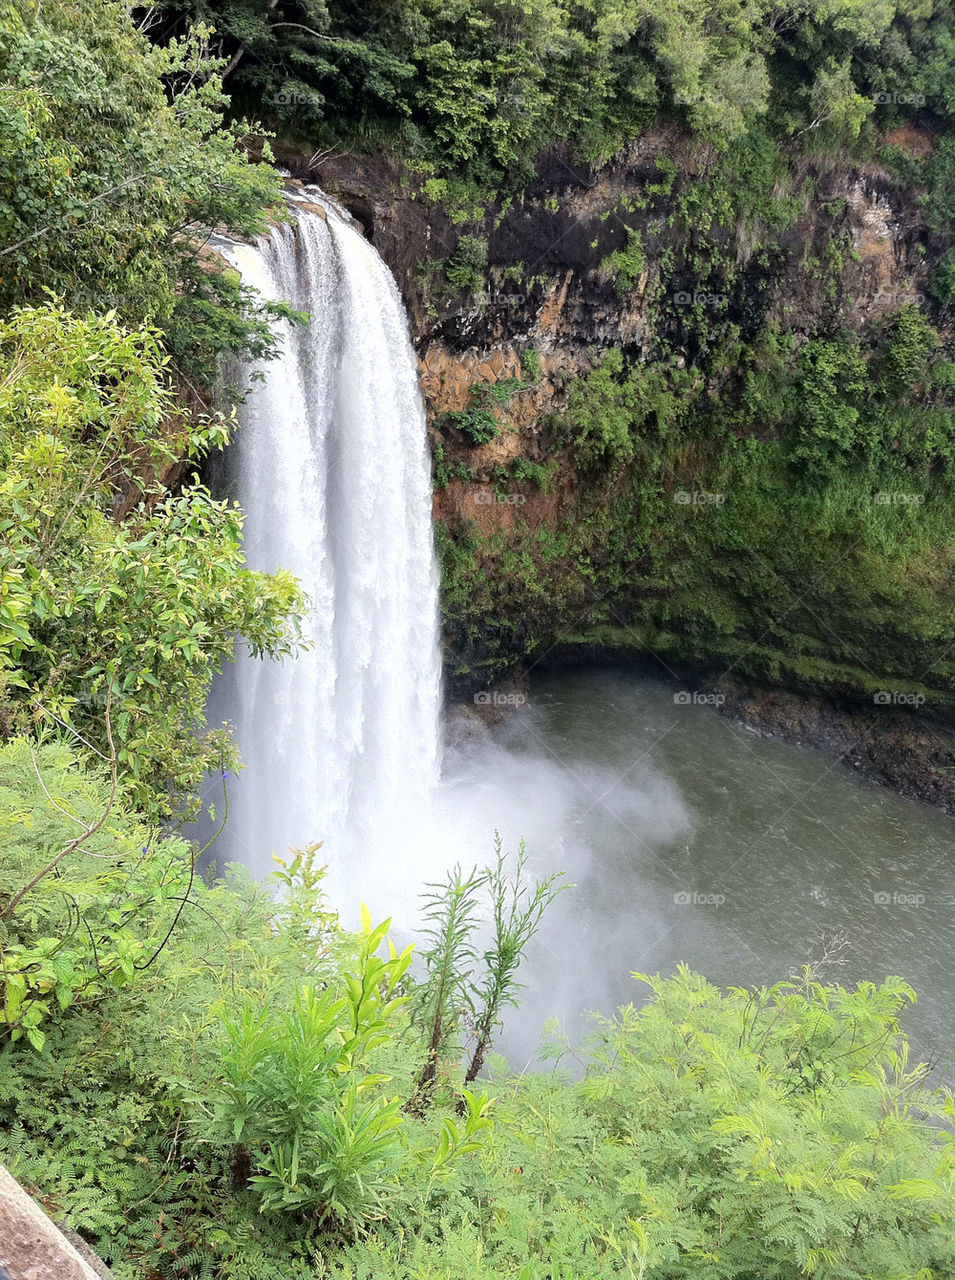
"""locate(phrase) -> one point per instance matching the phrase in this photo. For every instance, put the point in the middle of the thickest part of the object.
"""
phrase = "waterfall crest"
(331, 469)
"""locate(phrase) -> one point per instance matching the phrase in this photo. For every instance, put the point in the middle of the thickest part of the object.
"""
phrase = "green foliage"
(940, 202)
(912, 344)
(602, 408)
(232, 1108)
(497, 392)
(478, 421)
(87, 901)
(444, 471)
(842, 413)
(626, 264)
(479, 425)
(471, 93)
(115, 162)
(466, 267)
(834, 384)
(299, 1115)
(443, 1000)
(516, 911)
(616, 402)
(136, 616)
(751, 1133)
(804, 1110)
(538, 473)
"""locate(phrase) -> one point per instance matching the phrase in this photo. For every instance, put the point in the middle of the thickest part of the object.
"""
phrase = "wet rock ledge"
(894, 746)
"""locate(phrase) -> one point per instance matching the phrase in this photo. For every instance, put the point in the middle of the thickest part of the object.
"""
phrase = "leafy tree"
(835, 106)
(118, 628)
(115, 164)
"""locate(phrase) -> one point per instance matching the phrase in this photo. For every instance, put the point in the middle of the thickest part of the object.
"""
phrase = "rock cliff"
(620, 365)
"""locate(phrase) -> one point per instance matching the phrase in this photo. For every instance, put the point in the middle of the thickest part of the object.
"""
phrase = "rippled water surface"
(691, 839)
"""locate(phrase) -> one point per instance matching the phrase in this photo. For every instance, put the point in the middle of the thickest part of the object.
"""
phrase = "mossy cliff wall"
(692, 407)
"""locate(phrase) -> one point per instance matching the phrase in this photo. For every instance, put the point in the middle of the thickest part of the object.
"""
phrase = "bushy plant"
(616, 401)
(808, 1146)
(88, 901)
(834, 383)
(626, 264)
(479, 425)
(135, 616)
(302, 1132)
(115, 163)
(466, 266)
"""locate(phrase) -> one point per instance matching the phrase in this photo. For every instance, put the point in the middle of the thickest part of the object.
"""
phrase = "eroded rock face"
(851, 251)
(548, 283)
(31, 1246)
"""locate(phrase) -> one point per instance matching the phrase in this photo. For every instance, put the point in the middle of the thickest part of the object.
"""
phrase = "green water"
(691, 839)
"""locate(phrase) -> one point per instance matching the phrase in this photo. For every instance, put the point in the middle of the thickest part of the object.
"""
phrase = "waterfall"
(330, 466)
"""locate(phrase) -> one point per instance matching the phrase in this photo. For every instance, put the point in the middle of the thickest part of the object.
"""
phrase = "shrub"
(531, 364)
(466, 267)
(479, 425)
(115, 161)
(833, 382)
(137, 616)
(626, 264)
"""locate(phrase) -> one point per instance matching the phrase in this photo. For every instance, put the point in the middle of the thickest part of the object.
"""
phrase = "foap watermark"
(284, 98)
(500, 299)
(884, 98)
(694, 97)
(692, 698)
(697, 298)
(692, 898)
(488, 497)
(886, 498)
(894, 698)
(698, 498)
(898, 899)
(494, 698)
(905, 298)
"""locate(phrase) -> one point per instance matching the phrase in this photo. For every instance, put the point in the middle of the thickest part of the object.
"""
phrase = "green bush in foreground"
(237, 1106)
(115, 162)
(118, 627)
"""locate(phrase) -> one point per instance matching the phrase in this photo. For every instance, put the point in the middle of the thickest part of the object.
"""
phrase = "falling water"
(330, 467)
(649, 805)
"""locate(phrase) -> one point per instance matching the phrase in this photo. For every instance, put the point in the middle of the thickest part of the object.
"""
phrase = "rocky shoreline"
(899, 749)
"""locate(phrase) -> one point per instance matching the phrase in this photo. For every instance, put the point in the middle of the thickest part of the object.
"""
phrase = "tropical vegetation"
(214, 1079)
